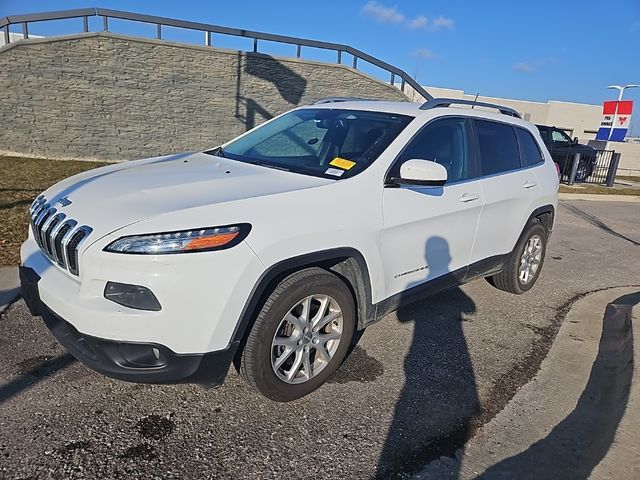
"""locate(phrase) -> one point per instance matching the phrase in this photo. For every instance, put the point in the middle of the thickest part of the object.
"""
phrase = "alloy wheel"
(306, 339)
(530, 259)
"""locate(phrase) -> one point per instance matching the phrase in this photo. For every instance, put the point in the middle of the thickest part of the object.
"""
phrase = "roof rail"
(447, 102)
(342, 99)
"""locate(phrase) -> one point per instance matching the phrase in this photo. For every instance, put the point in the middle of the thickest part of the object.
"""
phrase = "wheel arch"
(346, 263)
(545, 214)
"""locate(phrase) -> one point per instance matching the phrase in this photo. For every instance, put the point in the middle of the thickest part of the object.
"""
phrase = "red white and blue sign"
(616, 121)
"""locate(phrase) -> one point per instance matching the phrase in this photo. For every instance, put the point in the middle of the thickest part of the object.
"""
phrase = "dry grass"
(21, 180)
(598, 190)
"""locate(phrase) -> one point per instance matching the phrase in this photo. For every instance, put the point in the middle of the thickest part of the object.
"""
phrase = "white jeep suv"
(272, 250)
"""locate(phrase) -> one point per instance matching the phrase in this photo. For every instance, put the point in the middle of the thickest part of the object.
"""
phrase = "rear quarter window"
(529, 150)
(498, 147)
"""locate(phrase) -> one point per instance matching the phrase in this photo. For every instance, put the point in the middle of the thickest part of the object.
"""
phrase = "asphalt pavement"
(418, 385)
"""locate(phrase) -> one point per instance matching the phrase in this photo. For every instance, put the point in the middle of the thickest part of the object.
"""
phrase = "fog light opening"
(132, 296)
(141, 356)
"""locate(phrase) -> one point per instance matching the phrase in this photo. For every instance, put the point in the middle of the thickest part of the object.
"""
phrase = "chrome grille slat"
(54, 233)
(64, 243)
(48, 229)
(51, 214)
(72, 264)
(47, 224)
(37, 203)
(40, 213)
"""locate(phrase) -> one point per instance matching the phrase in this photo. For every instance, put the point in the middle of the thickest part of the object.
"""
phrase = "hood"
(112, 197)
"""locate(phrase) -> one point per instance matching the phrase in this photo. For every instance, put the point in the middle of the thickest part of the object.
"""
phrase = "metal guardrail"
(209, 30)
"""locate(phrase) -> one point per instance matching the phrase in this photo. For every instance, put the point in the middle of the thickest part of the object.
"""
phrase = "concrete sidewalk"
(9, 286)
(578, 417)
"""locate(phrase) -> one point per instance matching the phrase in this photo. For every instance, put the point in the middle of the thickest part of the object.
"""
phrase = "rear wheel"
(524, 263)
(301, 335)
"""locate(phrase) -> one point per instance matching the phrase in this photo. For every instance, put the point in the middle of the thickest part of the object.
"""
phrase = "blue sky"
(538, 50)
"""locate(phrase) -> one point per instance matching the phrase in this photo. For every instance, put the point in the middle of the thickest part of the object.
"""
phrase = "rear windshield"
(330, 143)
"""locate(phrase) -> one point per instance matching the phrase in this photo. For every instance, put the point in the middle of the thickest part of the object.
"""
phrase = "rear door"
(509, 188)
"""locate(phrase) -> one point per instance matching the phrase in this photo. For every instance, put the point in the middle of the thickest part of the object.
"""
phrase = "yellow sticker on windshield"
(342, 163)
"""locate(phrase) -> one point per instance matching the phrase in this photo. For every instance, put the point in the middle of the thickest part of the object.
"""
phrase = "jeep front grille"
(58, 237)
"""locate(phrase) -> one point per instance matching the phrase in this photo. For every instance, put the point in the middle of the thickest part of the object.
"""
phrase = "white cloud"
(383, 14)
(524, 67)
(533, 66)
(441, 23)
(424, 54)
(418, 22)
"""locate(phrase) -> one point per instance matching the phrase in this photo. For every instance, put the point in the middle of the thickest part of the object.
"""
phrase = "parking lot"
(415, 387)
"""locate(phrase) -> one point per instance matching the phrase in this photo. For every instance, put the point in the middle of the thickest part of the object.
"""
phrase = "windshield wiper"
(218, 152)
(268, 165)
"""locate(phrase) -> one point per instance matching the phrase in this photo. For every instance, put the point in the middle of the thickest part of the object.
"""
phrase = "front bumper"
(128, 361)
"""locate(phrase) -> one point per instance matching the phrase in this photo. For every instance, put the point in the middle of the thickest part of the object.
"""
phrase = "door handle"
(469, 197)
(528, 184)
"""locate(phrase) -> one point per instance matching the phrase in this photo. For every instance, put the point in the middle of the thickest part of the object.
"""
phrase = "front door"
(428, 232)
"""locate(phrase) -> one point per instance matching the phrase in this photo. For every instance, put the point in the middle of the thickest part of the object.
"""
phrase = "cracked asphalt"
(418, 384)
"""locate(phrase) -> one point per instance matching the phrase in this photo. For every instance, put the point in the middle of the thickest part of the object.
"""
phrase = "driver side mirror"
(423, 173)
(576, 141)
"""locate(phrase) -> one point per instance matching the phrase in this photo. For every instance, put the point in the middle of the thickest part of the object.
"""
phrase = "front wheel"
(582, 173)
(301, 335)
(524, 264)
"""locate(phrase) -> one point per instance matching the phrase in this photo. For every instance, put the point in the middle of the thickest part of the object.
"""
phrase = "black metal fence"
(23, 22)
(596, 167)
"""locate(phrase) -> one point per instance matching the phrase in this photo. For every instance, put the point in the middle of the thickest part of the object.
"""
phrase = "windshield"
(330, 143)
(560, 136)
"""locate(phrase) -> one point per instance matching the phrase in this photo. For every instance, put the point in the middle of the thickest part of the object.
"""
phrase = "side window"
(559, 137)
(444, 142)
(498, 147)
(544, 133)
(529, 149)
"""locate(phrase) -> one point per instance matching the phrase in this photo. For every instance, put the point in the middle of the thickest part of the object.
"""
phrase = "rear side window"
(529, 150)
(498, 147)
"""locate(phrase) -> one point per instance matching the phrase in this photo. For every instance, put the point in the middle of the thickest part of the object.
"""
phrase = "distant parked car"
(563, 151)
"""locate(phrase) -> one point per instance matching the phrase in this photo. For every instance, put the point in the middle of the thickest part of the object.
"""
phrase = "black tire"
(255, 360)
(582, 173)
(508, 279)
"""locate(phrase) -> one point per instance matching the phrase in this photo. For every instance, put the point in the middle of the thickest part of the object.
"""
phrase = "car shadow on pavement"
(32, 371)
(596, 222)
(436, 407)
(35, 369)
(579, 442)
(7, 297)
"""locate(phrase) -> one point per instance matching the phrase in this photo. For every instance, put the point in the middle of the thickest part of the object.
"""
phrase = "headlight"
(186, 241)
